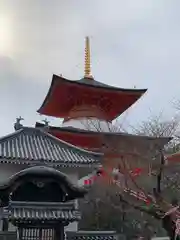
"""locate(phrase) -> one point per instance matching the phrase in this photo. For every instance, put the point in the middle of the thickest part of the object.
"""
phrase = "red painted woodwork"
(64, 95)
(174, 157)
(88, 141)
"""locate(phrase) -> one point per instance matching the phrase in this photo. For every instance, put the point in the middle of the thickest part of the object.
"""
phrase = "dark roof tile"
(92, 235)
(29, 145)
(34, 211)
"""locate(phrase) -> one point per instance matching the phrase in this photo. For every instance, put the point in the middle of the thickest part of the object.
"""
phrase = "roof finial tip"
(87, 67)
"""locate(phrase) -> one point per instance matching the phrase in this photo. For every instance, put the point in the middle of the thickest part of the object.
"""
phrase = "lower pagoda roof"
(33, 146)
(75, 136)
(29, 211)
(65, 95)
(175, 157)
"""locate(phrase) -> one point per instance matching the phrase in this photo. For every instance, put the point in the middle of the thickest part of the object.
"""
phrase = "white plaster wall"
(12, 228)
(91, 124)
(7, 170)
(74, 178)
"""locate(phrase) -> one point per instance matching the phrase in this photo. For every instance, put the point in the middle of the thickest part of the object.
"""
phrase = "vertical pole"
(159, 176)
(59, 232)
(5, 225)
(19, 233)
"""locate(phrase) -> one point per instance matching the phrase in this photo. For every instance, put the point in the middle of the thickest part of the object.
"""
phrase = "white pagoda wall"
(90, 124)
(7, 170)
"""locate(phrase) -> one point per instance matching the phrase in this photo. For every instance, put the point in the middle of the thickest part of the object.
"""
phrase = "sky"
(133, 43)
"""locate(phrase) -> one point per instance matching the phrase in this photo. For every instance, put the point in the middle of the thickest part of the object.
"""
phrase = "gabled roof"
(33, 145)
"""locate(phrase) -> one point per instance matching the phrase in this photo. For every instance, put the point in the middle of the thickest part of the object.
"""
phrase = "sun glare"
(5, 35)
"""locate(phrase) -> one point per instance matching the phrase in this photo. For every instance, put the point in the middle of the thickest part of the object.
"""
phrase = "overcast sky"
(133, 42)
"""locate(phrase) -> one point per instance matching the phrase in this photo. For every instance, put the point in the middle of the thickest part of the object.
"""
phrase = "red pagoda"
(88, 108)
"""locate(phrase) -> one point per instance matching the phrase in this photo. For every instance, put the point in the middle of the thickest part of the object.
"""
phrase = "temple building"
(41, 167)
(28, 148)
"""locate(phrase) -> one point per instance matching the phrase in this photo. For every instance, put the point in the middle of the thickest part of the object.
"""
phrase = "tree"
(151, 185)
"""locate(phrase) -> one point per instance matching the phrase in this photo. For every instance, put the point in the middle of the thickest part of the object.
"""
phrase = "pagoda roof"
(145, 140)
(58, 101)
(33, 145)
(97, 84)
(175, 157)
(92, 83)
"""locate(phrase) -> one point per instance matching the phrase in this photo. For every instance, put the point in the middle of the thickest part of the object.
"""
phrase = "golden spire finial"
(87, 67)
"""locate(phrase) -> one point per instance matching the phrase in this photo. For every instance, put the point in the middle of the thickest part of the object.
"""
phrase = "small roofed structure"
(38, 200)
(34, 147)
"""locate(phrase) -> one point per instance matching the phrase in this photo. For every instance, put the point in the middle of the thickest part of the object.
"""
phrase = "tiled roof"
(32, 145)
(33, 211)
(96, 237)
(92, 235)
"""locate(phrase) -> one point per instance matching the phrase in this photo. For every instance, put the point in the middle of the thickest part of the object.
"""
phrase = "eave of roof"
(90, 132)
(29, 211)
(33, 145)
(175, 157)
(88, 84)
(95, 84)
(74, 191)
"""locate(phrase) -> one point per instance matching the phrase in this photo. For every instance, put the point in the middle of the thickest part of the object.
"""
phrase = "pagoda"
(88, 108)
(86, 98)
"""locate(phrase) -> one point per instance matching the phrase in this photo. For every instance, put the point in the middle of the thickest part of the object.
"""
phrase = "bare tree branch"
(131, 149)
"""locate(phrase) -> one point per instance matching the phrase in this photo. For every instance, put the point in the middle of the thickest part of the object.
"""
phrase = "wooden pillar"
(19, 233)
(5, 225)
(59, 232)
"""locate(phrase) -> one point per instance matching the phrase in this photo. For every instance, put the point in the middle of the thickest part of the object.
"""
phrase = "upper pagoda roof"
(91, 82)
(64, 94)
(87, 97)
(33, 145)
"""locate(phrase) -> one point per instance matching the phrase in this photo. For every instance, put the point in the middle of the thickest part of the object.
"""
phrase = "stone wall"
(7, 235)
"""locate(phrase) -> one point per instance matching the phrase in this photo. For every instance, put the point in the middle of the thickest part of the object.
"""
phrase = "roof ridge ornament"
(87, 66)
(46, 124)
(18, 125)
